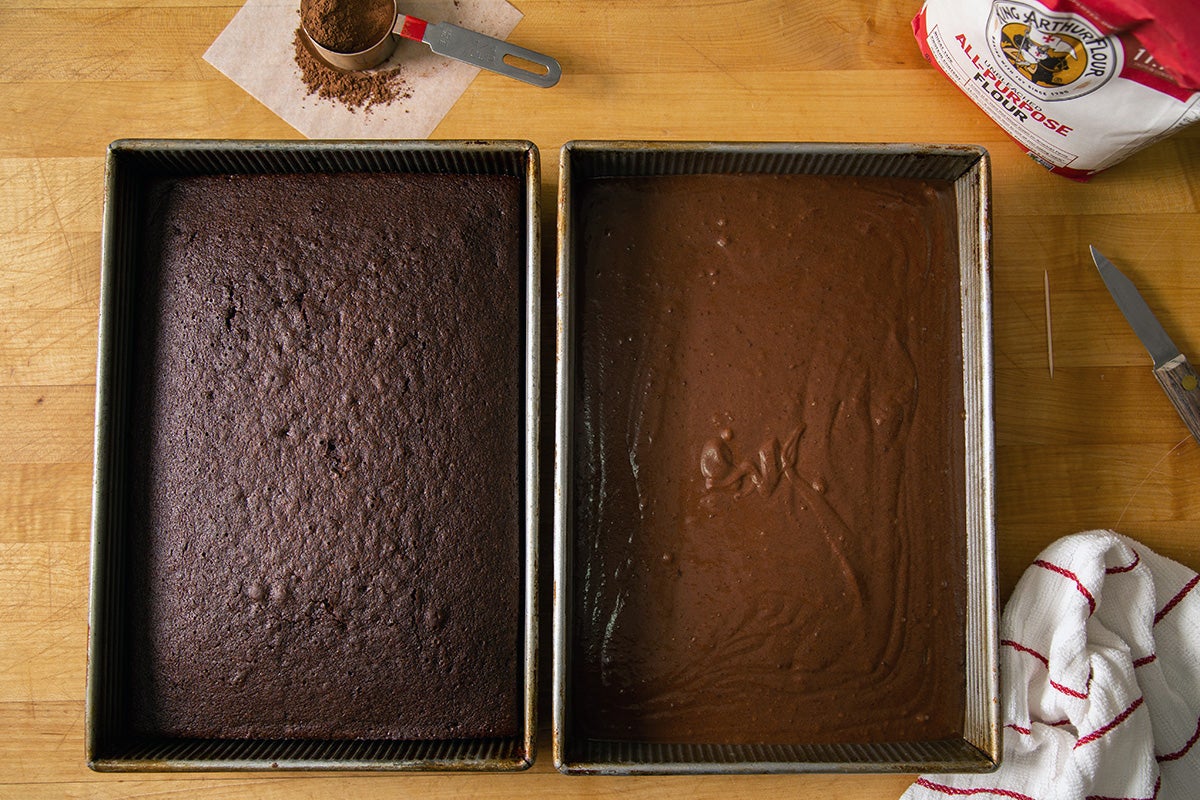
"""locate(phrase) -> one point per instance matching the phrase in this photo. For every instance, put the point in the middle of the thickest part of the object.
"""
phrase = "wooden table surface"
(1097, 446)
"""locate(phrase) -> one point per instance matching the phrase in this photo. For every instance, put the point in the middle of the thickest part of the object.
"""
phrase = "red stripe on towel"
(1096, 734)
(1029, 731)
(1137, 559)
(1069, 691)
(1175, 600)
(1064, 689)
(951, 790)
(1066, 573)
(1180, 753)
(1022, 648)
(1141, 662)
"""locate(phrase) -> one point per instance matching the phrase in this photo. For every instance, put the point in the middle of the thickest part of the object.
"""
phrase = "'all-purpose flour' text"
(1078, 90)
(1003, 93)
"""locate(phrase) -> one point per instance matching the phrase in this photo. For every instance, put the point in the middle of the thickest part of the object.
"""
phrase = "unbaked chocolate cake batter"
(769, 513)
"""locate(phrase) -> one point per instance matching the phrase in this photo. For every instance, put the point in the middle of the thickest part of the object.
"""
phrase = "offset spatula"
(1171, 367)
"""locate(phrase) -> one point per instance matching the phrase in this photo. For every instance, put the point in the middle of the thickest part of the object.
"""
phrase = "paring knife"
(1171, 367)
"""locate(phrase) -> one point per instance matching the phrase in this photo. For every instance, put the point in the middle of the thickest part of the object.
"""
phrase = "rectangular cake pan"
(131, 164)
(968, 169)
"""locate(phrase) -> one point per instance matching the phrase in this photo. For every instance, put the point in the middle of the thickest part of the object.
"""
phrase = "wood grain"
(1099, 445)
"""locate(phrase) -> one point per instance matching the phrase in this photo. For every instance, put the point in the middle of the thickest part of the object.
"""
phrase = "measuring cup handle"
(450, 40)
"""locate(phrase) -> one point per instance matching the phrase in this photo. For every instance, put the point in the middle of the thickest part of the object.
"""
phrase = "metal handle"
(488, 52)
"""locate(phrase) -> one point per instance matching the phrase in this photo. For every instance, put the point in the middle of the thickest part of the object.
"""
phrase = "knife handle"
(1182, 385)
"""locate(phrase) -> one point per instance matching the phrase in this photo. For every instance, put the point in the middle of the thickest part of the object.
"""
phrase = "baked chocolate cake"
(769, 525)
(325, 458)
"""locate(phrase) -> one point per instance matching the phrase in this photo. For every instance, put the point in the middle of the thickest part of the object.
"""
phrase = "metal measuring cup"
(444, 39)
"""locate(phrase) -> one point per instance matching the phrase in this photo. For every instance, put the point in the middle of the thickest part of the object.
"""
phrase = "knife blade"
(1176, 376)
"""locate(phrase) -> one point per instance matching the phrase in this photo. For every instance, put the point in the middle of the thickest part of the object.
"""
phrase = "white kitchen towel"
(1100, 676)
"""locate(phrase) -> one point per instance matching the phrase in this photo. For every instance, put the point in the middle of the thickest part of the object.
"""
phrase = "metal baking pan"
(967, 168)
(131, 164)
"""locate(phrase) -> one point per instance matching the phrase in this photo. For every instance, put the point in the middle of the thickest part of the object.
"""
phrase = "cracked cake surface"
(325, 473)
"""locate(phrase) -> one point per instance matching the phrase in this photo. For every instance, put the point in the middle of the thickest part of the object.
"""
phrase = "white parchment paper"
(256, 51)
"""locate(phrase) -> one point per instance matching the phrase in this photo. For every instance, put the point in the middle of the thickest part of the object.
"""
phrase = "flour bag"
(1079, 84)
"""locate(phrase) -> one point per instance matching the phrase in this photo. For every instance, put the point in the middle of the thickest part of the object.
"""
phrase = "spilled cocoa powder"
(348, 26)
(352, 89)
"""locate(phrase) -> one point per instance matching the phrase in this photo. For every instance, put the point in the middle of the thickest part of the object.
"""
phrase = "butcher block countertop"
(1096, 446)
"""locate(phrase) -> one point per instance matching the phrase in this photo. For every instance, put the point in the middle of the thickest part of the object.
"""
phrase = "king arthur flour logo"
(1055, 56)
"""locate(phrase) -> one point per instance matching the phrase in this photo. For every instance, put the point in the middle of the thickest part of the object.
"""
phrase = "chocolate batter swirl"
(769, 515)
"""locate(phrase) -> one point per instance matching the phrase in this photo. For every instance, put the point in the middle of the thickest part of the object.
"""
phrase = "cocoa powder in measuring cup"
(348, 26)
(352, 89)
